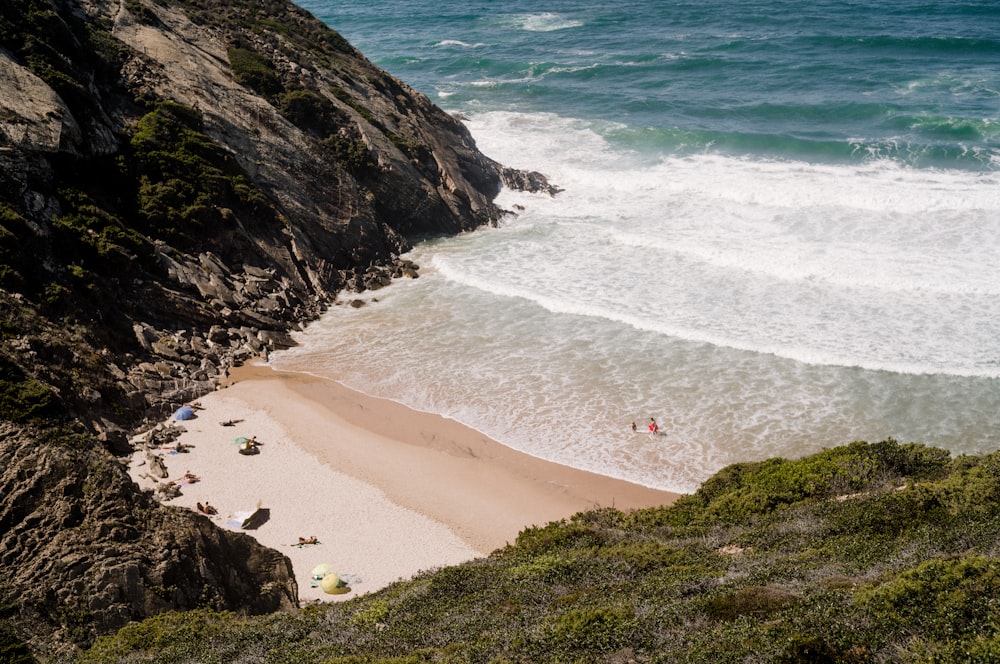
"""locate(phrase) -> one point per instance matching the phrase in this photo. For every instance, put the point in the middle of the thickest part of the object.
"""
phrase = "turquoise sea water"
(779, 230)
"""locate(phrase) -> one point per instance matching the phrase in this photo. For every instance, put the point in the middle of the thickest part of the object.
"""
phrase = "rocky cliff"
(182, 182)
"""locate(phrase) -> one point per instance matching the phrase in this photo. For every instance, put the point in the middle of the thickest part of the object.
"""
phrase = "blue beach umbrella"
(184, 413)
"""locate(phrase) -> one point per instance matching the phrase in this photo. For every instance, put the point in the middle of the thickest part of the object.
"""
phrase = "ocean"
(779, 230)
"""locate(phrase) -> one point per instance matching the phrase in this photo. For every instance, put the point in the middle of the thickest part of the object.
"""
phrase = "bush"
(185, 180)
(351, 154)
(23, 399)
(310, 112)
(557, 536)
(608, 586)
(141, 13)
(641, 557)
(543, 568)
(592, 630)
(757, 601)
(254, 71)
(170, 631)
(12, 649)
(89, 233)
(745, 490)
(940, 598)
(815, 649)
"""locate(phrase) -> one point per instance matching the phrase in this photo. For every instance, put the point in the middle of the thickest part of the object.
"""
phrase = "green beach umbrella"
(321, 570)
(242, 440)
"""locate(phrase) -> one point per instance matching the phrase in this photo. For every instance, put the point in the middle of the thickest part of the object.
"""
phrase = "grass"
(866, 552)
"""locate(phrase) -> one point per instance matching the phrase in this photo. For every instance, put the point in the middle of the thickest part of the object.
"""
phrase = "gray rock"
(156, 466)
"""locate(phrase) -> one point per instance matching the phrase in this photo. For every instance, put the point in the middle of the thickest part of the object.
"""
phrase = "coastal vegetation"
(862, 553)
(185, 183)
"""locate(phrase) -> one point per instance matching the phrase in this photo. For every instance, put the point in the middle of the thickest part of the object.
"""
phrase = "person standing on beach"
(654, 428)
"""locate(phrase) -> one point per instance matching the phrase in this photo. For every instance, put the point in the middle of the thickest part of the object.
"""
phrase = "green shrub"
(971, 489)
(815, 649)
(972, 649)
(185, 180)
(88, 233)
(254, 71)
(141, 13)
(557, 536)
(375, 613)
(458, 581)
(607, 586)
(12, 253)
(940, 598)
(745, 490)
(10, 220)
(594, 630)
(12, 649)
(640, 557)
(351, 154)
(310, 112)
(23, 399)
(757, 601)
(171, 631)
(542, 568)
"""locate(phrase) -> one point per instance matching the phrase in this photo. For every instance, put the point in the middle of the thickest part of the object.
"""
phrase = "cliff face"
(181, 183)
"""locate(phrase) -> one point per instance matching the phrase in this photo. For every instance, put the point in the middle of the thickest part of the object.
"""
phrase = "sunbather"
(250, 446)
(206, 508)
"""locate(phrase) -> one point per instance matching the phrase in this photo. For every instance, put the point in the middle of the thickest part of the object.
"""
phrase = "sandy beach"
(386, 491)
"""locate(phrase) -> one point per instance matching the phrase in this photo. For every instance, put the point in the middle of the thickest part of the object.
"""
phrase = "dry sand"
(386, 490)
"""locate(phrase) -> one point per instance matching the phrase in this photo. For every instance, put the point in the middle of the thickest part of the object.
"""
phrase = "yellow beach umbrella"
(330, 584)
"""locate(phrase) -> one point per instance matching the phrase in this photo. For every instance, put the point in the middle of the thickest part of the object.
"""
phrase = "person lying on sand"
(190, 477)
(206, 508)
(307, 540)
(230, 423)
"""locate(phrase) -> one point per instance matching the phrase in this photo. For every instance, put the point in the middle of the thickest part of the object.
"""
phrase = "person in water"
(654, 428)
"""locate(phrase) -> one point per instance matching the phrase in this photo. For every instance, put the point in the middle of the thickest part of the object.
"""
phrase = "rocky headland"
(182, 183)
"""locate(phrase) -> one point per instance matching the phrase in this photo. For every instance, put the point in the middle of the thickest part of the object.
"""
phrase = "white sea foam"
(847, 239)
(544, 22)
(756, 308)
(459, 43)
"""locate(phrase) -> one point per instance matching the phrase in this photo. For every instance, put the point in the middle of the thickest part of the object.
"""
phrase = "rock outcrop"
(99, 554)
(182, 184)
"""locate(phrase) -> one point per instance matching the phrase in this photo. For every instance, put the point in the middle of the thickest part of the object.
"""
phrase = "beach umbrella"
(184, 413)
(330, 584)
(321, 570)
(242, 440)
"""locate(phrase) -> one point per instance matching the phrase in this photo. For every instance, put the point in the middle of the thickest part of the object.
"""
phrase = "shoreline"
(388, 491)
